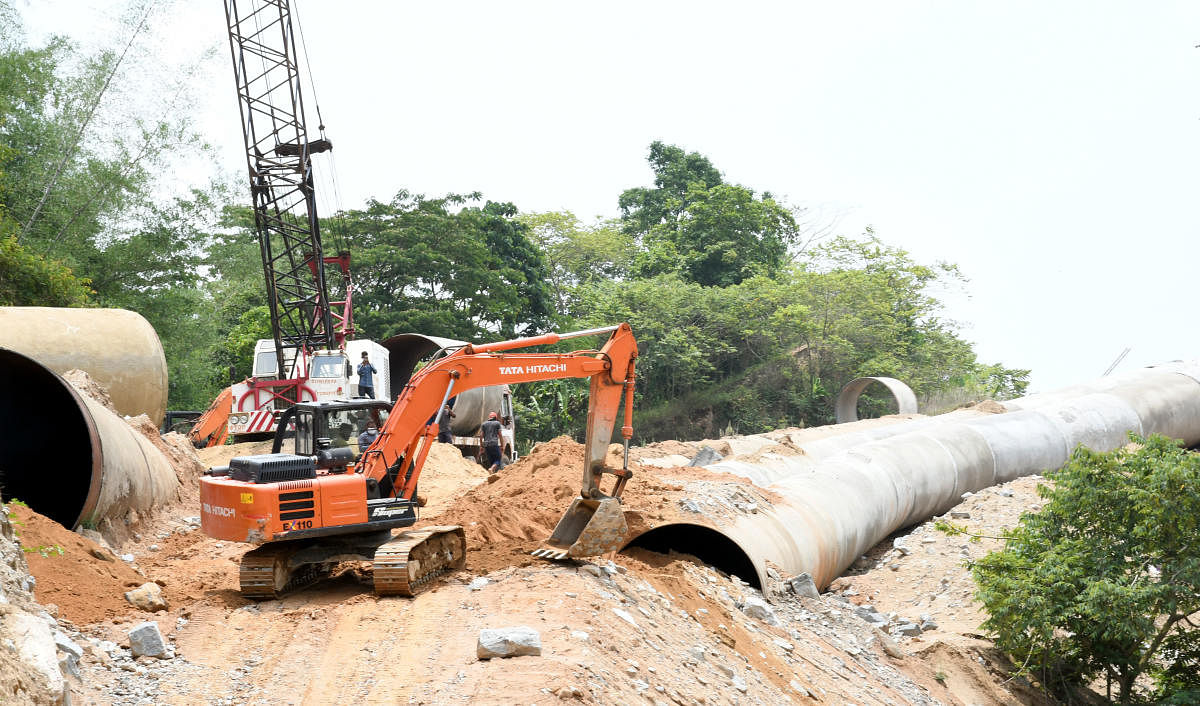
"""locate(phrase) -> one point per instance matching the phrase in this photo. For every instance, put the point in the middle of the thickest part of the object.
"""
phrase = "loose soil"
(86, 581)
(632, 628)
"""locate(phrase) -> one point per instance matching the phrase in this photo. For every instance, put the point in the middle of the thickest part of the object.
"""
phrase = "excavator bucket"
(588, 528)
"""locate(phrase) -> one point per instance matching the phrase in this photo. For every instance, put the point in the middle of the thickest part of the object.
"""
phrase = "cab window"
(304, 431)
(265, 364)
(328, 366)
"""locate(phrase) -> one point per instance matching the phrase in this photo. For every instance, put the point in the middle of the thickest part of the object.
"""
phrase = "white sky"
(1047, 148)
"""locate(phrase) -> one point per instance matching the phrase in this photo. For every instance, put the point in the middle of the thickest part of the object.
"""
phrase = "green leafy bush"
(1104, 582)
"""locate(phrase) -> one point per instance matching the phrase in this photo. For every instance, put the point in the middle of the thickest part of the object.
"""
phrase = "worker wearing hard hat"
(490, 432)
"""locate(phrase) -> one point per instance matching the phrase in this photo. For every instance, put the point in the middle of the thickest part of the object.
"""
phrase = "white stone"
(508, 642)
(756, 607)
(478, 583)
(35, 646)
(145, 639)
(67, 645)
(623, 615)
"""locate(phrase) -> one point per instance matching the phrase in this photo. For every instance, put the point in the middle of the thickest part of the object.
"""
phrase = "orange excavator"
(322, 505)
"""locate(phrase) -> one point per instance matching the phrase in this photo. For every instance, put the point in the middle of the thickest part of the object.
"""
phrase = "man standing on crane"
(366, 383)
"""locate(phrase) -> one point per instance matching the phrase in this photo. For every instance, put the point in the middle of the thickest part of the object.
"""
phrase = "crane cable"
(338, 215)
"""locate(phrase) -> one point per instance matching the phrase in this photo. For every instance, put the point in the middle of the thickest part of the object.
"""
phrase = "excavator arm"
(594, 523)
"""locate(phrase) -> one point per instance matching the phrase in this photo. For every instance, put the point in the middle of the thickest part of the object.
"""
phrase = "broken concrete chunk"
(705, 456)
(689, 505)
(803, 585)
(146, 639)
(508, 642)
(756, 607)
(909, 629)
(147, 597)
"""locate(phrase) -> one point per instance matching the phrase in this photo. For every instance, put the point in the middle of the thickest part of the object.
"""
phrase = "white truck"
(327, 375)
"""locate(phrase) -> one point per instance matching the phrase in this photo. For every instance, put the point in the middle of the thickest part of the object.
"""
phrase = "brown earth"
(646, 628)
(86, 581)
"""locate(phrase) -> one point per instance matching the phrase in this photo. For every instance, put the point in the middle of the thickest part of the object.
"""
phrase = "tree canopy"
(695, 224)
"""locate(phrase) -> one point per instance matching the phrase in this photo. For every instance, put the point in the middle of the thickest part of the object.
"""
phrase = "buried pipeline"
(62, 453)
(844, 495)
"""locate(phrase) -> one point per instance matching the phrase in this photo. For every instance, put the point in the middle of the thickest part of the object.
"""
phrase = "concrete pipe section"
(847, 401)
(119, 349)
(818, 512)
(68, 457)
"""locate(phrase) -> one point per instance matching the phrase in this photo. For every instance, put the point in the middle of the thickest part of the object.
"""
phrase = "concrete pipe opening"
(48, 446)
(67, 456)
(846, 407)
(704, 543)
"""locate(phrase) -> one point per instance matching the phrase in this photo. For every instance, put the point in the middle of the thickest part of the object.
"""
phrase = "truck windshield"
(265, 364)
(328, 366)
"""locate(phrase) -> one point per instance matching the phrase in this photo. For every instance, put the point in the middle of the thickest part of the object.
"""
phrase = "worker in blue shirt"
(366, 383)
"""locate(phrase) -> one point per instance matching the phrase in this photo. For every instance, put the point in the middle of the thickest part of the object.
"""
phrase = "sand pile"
(83, 579)
(512, 516)
(446, 476)
(81, 381)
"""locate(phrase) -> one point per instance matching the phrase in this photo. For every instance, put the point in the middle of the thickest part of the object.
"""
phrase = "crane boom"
(279, 160)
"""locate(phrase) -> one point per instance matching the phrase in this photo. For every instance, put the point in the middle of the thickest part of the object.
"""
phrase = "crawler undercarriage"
(400, 562)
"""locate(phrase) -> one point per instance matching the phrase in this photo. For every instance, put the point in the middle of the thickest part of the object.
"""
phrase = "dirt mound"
(508, 518)
(446, 476)
(989, 406)
(220, 455)
(84, 383)
(70, 572)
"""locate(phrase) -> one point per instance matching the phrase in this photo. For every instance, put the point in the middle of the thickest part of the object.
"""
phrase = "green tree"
(27, 279)
(1104, 581)
(578, 254)
(446, 267)
(694, 223)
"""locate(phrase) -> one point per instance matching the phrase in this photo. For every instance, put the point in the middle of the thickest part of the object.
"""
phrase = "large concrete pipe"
(118, 348)
(471, 408)
(824, 515)
(67, 456)
(846, 406)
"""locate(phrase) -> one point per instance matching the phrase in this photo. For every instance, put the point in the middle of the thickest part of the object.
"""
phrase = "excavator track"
(412, 559)
(264, 573)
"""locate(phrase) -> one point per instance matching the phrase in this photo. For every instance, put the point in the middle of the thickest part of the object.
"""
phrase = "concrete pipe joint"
(847, 401)
(831, 505)
(68, 457)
